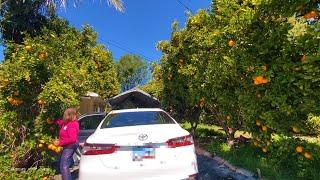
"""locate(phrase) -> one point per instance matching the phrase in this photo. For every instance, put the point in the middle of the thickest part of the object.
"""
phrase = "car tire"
(76, 156)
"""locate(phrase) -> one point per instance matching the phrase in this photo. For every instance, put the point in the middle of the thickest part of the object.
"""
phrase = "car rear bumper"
(159, 173)
(94, 168)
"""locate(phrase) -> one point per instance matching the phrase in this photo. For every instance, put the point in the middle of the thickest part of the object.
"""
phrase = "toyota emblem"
(143, 137)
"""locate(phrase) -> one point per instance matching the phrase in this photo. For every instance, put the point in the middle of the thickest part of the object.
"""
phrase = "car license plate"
(141, 152)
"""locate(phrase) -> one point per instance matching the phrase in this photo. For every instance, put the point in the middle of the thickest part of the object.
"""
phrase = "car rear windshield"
(136, 118)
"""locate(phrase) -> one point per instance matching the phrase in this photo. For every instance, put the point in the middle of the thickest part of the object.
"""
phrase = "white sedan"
(138, 144)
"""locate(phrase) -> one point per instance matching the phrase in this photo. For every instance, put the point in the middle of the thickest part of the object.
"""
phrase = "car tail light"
(193, 176)
(97, 149)
(180, 141)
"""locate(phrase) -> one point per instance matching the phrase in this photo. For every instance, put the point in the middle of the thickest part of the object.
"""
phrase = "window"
(90, 122)
(136, 118)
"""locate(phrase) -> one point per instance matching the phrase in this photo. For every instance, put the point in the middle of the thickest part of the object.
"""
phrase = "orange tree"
(198, 77)
(277, 61)
(155, 86)
(42, 77)
(251, 65)
(276, 54)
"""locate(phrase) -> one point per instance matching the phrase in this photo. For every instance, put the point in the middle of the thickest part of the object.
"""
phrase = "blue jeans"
(66, 161)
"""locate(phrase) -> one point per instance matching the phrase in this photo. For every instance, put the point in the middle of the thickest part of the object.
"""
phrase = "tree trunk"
(194, 126)
(230, 140)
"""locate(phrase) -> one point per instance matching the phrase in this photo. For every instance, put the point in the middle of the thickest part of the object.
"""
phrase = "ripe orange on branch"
(307, 155)
(10, 100)
(202, 102)
(43, 55)
(299, 149)
(257, 80)
(311, 14)
(258, 122)
(231, 43)
(181, 62)
(41, 102)
(264, 149)
(28, 48)
(264, 128)
(295, 129)
(304, 58)
(50, 121)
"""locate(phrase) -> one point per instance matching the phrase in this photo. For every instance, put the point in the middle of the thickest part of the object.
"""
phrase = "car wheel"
(77, 156)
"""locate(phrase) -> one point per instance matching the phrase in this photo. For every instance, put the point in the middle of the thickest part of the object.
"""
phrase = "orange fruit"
(58, 150)
(40, 145)
(231, 43)
(257, 80)
(43, 55)
(50, 146)
(50, 121)
(307, 16)
(41, 102)
(15, 102)
(295, 129)
(299, 149)
(28, 48)
(264, 128)
(181, 63)
(304, 58)
(54, 148)
(258, 122)
(264, 149)
(201, 102)
(313, 14)
(307, 155)
(268, 143)
(45, 178)
(10, 100)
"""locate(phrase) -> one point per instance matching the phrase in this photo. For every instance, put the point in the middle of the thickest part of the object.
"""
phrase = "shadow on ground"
(209, 169)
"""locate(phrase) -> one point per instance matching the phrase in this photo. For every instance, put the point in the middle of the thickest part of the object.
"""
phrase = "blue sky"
(137, 30)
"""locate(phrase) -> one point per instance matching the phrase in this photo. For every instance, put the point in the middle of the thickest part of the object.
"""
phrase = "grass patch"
(281, 162)
(204, 130)
(248, 158)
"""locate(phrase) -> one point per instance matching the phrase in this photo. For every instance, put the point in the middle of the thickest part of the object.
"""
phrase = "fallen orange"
(299, 149)
(307, 155)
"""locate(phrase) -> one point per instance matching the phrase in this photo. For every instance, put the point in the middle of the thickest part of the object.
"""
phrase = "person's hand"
(56, 142)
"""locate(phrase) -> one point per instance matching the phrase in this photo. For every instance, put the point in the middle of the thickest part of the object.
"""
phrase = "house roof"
(137, 95)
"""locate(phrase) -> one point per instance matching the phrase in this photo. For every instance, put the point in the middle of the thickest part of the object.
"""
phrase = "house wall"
(90, 104)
